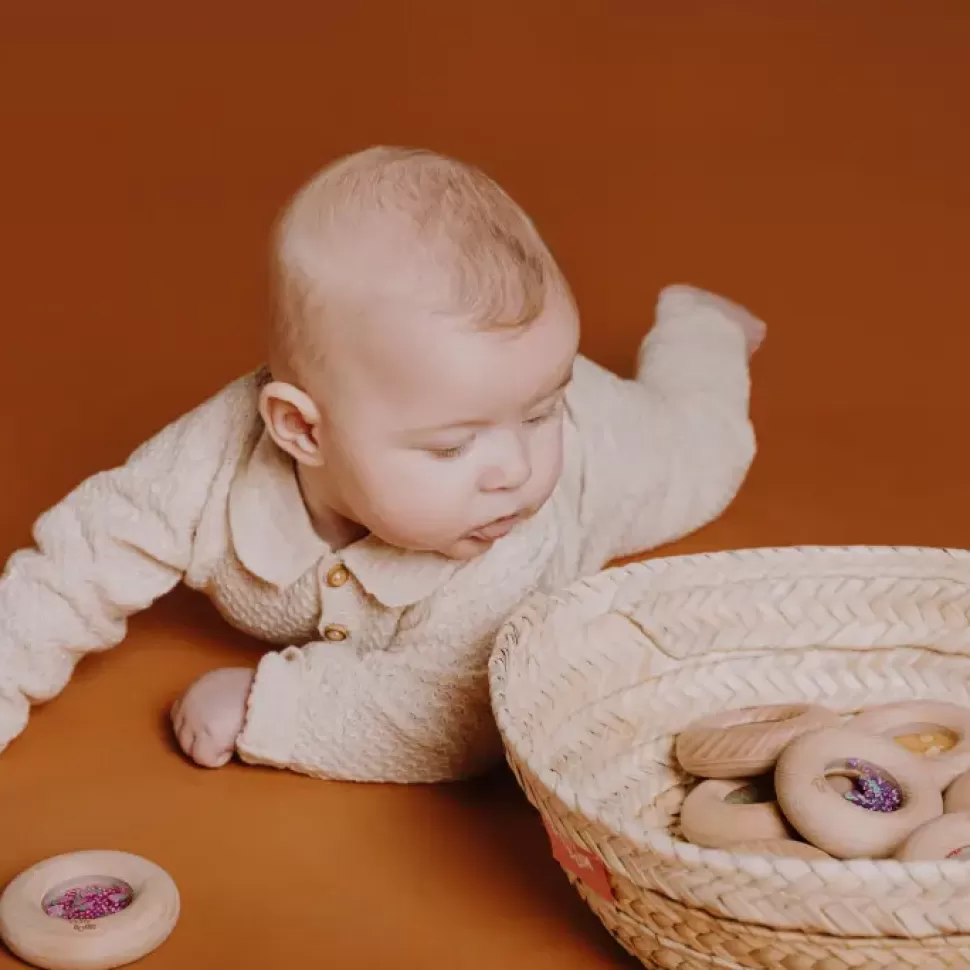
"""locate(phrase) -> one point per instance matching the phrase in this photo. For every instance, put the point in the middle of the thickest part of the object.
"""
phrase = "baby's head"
(422, 341)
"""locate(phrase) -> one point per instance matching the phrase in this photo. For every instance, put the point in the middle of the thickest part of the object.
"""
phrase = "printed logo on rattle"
(83, 925)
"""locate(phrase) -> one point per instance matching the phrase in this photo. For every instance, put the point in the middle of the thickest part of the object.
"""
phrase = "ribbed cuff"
(269, 734)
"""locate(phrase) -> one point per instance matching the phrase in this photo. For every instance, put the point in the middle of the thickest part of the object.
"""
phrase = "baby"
(423, 450)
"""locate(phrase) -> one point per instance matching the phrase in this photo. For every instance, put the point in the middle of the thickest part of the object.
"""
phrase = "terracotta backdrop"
(813, 165)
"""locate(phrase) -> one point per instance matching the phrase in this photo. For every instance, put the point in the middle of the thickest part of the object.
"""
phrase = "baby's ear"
(293, 422)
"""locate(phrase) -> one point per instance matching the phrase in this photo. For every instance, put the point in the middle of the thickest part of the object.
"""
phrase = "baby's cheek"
(548, 461)
(413, 502)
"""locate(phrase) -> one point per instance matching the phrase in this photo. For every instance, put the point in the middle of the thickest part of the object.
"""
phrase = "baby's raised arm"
(665, 454)
(115, 544)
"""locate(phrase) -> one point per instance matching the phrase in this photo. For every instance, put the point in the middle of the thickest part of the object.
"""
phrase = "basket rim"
(660, 842)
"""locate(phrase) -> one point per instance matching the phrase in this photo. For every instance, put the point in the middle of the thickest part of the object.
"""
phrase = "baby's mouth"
(497, 529)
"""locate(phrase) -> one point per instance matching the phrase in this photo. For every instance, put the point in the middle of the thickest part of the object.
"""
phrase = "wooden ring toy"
(946, 837)
(746, 742)
(88, 911)
(831, 821)
(937, 730)
(784, 847)
(721, 812)
(957, 797)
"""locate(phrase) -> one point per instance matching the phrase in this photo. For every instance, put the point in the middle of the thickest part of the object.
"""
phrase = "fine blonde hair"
(449, 223)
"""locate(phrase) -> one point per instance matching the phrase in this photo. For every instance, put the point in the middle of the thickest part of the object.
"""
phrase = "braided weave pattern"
(590, 687)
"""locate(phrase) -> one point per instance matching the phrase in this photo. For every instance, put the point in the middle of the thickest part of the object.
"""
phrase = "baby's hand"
(210, 715)
(685, 299)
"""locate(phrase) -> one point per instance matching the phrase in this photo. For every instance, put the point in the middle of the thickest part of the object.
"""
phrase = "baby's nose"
(510, 472)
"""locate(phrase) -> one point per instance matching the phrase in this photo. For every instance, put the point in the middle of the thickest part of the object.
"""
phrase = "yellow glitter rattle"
(88, 911)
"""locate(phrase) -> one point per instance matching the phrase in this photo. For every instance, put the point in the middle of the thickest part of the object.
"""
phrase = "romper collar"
(275, 540)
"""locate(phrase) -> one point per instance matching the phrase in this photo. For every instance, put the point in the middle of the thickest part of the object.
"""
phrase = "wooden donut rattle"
(88, 911)
(937, 730)
(721, 812)
(746, 742)
(957, 797)
(902, 794)
(946, 837)
(789, 848)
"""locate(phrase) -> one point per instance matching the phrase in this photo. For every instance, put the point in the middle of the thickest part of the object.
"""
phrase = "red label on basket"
(585, 866)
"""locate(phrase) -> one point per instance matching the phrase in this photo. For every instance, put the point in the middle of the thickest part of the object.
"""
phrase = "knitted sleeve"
(664, 454)
(386, 716)
(117, 542)
(417, 712)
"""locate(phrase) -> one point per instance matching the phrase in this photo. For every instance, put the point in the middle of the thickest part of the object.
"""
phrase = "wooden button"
(334, 632)
(338, 576)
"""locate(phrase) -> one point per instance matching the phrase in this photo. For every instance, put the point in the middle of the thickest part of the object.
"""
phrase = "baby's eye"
(545, 416)
(445, 453)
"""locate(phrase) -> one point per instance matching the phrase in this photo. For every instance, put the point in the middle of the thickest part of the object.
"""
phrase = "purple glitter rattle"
(871, 790)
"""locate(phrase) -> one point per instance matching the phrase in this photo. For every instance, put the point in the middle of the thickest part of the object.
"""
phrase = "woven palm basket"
(591, 685)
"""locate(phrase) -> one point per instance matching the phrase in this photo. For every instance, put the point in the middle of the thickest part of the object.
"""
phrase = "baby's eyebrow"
(447, 426)
(450, 426)
(565, 382)
(471, 425)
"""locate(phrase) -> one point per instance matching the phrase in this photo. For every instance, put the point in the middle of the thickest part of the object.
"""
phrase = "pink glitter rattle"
(88, 911)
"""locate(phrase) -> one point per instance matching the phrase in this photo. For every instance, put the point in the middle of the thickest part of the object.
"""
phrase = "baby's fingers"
(210, 751)
(185, 736)
(177, 717)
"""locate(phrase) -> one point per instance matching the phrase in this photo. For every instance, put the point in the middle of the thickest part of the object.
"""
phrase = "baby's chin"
(462, 549)
(465, 549)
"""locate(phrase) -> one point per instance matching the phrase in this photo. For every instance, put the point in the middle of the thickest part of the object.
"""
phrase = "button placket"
(335, 606)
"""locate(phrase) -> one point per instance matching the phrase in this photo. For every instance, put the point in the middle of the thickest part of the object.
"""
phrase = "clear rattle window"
(88, 898)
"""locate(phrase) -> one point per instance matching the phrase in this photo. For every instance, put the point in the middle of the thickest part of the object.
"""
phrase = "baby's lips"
(497, 529)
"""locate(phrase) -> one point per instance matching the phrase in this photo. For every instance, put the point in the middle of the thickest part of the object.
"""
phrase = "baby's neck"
(336, 530)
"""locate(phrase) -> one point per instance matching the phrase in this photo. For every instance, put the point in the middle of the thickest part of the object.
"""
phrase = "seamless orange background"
(812, 164)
